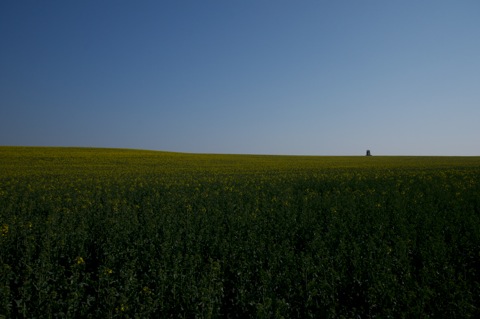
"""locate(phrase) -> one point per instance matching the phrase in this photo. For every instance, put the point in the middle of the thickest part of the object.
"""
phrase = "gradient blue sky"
(239, 76)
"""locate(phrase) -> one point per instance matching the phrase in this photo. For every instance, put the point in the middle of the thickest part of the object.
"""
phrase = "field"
(110, 233)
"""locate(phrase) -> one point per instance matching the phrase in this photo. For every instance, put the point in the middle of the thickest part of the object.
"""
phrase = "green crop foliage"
(111, 233)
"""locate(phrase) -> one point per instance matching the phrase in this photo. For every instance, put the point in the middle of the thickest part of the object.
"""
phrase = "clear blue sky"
(243, 76)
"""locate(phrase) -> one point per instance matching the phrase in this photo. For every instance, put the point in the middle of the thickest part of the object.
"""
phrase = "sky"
(292, 77)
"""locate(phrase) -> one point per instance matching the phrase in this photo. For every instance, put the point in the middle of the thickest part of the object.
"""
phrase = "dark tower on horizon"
(368, 153)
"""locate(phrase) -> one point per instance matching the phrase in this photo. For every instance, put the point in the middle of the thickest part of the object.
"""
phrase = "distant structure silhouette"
(368, 153)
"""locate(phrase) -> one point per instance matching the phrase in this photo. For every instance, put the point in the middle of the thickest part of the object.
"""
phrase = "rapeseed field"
(111, 233)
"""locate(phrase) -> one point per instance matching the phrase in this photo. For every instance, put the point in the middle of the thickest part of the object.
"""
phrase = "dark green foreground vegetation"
(136, 234)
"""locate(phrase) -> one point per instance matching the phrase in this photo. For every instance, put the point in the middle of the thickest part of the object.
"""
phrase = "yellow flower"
(4, 230)
(122, 308)
(107, 271)
(146, 290)
(80, 261)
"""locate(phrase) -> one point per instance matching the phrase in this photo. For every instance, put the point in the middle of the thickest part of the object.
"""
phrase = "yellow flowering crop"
(210, 236)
